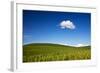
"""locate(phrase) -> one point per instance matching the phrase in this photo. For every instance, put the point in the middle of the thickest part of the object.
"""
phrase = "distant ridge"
(51, 44)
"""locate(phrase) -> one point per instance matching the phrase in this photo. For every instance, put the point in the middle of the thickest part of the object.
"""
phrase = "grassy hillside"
(39, 52)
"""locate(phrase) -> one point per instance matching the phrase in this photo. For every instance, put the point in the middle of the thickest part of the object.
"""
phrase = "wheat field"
(44, 52)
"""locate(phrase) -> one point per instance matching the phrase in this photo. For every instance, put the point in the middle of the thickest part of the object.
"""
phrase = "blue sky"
(56, 27)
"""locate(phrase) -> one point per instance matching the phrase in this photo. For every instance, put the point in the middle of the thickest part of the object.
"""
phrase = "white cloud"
(79, 45)
(67, 24)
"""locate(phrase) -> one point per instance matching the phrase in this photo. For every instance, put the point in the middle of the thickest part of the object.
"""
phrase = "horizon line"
(77, 45)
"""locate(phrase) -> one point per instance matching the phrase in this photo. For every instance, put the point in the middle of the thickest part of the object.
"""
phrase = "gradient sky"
(44, 27)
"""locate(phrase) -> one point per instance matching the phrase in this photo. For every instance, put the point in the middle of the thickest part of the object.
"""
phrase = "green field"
(40, 52)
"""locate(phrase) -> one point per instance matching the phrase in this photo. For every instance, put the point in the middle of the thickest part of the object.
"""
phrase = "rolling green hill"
(39, 52)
